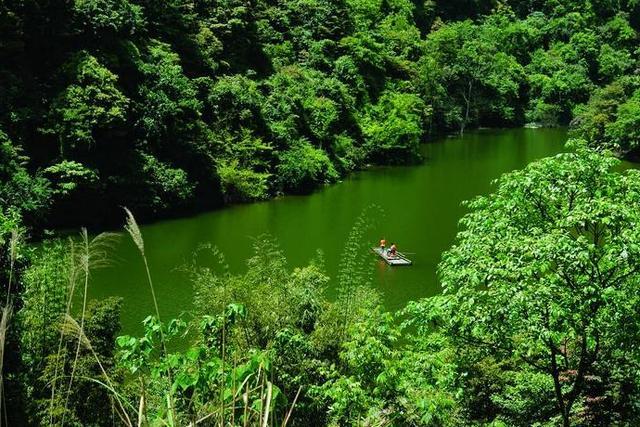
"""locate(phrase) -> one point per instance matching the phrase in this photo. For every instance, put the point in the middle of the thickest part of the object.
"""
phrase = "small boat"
(397, 259)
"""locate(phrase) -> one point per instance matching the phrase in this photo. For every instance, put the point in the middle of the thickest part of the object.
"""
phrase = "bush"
(20, 191)
(625, 131)
(304, 167)
(393, 127)
(242, 184)
(168, 187)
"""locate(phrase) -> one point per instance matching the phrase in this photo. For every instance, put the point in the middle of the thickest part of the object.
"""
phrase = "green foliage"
(543, 273)
(200, 381)
(296, 297)
(607, 121)
(90, 103)
(20, 192)
(9, 221)
(236, 103)
(168, 98)
(383, 380)
(167, 186)
(625, 131)
(65, 364)
(559, 80)
(242, 184)
(468, 77)
(241, 350)
(526, 395)
(393, 127)
(90, 401)
(613, 63)
(427, 375)
(224, 96)
(303, 167)
(170, 105)
(306, 103)
(347, 154)
(44, 297)
(69, 175)
(354, 393)
(106, 17)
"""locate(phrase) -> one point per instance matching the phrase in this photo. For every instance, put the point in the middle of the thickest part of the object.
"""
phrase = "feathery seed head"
(134, 231)
(14, 242)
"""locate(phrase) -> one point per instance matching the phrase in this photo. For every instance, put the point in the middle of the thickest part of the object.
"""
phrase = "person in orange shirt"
(383, 244)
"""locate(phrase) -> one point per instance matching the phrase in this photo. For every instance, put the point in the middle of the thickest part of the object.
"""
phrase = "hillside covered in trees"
(176, 105)
(182, 104)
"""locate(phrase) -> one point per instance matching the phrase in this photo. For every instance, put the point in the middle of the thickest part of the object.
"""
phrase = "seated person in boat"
(392, 250)
(383, 243)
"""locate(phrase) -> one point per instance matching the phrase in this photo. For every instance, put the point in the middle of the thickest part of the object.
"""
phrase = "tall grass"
(353, 272)
(133, 229)
(93, 254)
(16, 238)
(71, 286)
(7, 313)
(88, 255)
(131, 226)
(71, 328)
(253, 397)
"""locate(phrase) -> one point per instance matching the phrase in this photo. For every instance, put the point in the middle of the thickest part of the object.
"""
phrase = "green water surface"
(421, 204)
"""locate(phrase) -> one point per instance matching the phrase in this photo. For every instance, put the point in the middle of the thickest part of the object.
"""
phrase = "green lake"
(421, 207)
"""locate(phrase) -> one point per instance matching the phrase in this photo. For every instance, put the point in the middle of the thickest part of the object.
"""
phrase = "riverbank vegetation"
(177, 105)
(169, 106)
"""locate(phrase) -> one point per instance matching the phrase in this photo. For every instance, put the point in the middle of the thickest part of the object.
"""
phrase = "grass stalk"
(85, 270)
(141, 410)
(143, 403)
(290, 411)
(71, 327)
(7, 314)
(72, 278)
(224, 338)
(351, 273)
(93, 255)
(233, 389)
(136, 235)
(265, 420)
(133, 229)
(14, 242)
(245, 399)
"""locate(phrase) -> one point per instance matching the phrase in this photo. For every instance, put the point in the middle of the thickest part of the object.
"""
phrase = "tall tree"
(546, 272)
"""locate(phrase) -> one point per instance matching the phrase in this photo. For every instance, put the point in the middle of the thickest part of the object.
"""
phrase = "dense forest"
(176, 105)
(167, 107)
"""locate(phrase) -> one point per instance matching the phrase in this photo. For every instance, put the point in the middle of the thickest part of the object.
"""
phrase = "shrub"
(304, 167)
(242, 184)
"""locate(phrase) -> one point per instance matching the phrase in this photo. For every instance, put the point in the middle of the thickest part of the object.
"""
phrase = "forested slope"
(173, 105)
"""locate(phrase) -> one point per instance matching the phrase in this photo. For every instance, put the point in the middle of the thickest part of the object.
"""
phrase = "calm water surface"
(422, 206)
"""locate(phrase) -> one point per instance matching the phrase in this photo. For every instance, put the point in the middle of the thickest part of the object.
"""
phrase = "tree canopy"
(545, 274)
(218, 97)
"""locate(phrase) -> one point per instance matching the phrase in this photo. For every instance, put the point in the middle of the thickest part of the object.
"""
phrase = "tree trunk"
(467, 99)
(564, 411)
